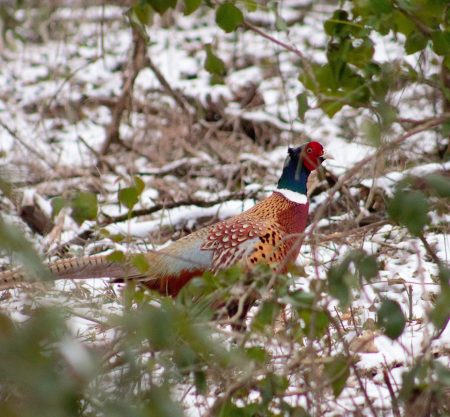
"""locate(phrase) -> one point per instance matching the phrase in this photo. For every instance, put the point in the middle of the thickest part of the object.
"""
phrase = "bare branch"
(135, 66)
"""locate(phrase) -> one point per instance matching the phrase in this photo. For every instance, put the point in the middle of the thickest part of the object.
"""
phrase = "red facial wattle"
(312, 155)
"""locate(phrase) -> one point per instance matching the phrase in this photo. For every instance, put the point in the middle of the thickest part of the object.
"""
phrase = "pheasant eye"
(309, 150)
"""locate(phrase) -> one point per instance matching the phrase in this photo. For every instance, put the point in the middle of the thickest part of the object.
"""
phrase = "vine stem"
(275, 40)
(304, 61)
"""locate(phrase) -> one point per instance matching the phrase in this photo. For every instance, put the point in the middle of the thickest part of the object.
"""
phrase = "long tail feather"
(73, 268)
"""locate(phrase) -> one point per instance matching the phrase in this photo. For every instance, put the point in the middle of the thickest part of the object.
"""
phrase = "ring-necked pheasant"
(267, 233)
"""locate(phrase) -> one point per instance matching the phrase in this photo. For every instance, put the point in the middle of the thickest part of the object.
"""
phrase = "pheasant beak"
(325, 156)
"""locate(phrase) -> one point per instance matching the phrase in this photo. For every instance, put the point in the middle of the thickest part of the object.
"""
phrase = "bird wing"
(246, 240)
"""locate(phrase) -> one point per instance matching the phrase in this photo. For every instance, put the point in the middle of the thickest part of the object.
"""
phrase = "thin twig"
(358, 333)
(97, 155)
(303, 60)
(29, 148)
(284, 45)
(174, 204)
(430, 250)
(353, 366)
(182, 103)
(339, 318)
(394, 401)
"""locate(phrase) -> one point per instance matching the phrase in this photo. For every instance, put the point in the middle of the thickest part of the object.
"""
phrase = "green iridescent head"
(299, 164)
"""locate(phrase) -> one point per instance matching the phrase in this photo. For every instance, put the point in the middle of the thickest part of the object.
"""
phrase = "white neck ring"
(293, 196)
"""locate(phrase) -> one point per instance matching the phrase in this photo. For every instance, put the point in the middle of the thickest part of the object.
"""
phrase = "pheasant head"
(298, 165)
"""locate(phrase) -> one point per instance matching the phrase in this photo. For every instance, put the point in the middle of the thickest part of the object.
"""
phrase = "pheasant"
(268, 233)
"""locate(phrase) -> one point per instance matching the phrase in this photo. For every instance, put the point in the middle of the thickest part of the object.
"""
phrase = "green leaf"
(372, 131)
(388, 113)
(316, 323)
(302, 105)
(229, 17)
(229, 409)
(403, 24)
(266, 315)
(413, 380)
(139, 184)
(143, 12)
(338, 278)
(200, 382)
(140, 262)
(441, 42)
(257, 354)
(117, 237)
(160, 404)
(338, 24)
(391, 319)
(185, 357)
(117, 257)
(331, 107)
(442, 373)
(440, 184)
(444, 276)
(415, 42)
(337, 372)
(409, 208)
(161, 6)
(58, 203)
(160, 329)
(190, 6)
(6, 326)
(5, 186)
(301, 299)
(13, 241)
(84, 206)
(337, 84)
(367, 266)
(272, 385)
(216, 80)
(213, 64)
(341, 279)
(280, 24)
(441, 310)
(299, 412)
(445, 128)
(446, 62)
(382, 6)
(128, 196)
(251, 5)
(361, 55)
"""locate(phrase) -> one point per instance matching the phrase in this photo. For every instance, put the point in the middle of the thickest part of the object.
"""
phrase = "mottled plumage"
(269, 233)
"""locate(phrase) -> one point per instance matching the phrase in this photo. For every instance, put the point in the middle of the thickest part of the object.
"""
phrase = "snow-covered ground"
(55, 102)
